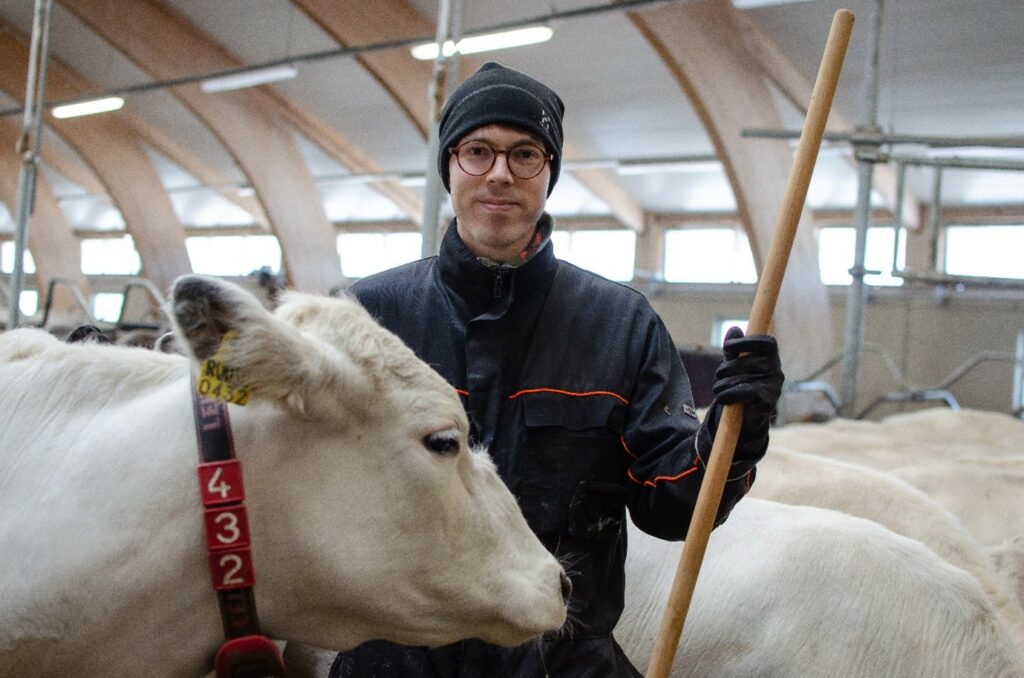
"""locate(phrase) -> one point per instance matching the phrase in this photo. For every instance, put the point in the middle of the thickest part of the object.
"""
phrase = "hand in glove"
(751, 373)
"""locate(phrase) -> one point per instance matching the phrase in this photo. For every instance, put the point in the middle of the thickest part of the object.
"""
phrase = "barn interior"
(288, 142)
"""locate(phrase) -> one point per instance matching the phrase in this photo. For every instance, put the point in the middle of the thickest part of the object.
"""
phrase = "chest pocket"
(573, 465)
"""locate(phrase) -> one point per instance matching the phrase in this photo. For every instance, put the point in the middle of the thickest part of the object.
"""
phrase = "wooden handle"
(728, 432)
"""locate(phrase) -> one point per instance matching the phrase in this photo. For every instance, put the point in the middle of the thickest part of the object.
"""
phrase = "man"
(572, 381)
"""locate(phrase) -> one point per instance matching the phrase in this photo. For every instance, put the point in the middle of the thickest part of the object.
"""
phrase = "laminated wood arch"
(697, 42)
(248, 122)
(115, 154)
(406, 79)
(55, 249)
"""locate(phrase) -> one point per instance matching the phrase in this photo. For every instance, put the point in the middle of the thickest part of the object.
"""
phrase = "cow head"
(371, 516)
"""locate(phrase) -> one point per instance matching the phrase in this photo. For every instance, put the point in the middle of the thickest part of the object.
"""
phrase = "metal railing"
(908, 392)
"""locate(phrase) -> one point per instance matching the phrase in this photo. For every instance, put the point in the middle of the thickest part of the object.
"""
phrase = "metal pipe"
(897, 226)
(935, 221)
(438, 92)
(590, 10)
(28, 147)
(75, 292)
(934, 278)
(856, 296)
(862, 137)
(975, 360)
(963, 163)
(1017, 400)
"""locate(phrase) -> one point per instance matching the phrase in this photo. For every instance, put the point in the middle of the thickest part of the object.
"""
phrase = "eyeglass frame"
(454, 150)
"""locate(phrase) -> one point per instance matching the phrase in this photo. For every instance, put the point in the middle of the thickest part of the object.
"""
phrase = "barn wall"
(927, 335)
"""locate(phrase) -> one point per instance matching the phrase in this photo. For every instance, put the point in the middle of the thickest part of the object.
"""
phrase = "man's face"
(497, 212)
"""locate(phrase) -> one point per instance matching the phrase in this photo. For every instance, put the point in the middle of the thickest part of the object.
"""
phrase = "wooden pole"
(724, 447)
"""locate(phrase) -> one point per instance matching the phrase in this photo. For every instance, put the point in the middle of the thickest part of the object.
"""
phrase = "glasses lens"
(475, 157)
(526, 161)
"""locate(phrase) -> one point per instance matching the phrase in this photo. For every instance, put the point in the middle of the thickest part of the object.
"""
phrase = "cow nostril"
(566, 587)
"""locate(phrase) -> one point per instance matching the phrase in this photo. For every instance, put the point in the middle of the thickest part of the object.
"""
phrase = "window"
(989, 251)
(836, 249)
(106, 306)
(609, 253)
(363, 254)
(28, 302)
(708, 255)
(7, 258)
(233, 254)
(110, 256)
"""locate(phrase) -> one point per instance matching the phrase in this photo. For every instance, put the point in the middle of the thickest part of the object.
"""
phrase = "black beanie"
(496, 95)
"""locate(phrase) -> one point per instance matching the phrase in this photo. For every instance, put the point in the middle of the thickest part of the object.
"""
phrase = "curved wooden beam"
(364, 23)
(361, 23)
(248, 122)
(71, 168)
(696, 41)
(54, 247)
(115, 154)
(188, 161)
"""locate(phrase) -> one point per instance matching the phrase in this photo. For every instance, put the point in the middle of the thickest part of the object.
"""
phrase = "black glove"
(751, 373)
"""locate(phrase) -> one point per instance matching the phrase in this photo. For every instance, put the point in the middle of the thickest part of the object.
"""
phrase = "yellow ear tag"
(216, 380)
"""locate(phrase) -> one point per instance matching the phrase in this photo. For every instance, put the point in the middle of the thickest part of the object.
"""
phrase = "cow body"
(969, 462)
(808, 480)
(800, 591)
(369, 515)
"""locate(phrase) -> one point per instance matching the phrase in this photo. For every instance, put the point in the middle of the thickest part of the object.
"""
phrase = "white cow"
(370, 517)
(986, 493)
(790, 591)
(900, 440)
(805, 479)
(970, 462)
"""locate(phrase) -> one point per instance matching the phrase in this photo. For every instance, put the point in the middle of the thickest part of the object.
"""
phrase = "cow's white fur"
(800, 591)
(901, 440)
(805, 479)
(986, 493)
(358, 530)
(970, 462)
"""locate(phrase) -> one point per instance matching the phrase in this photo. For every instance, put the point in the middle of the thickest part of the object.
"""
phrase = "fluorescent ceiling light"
(249, 78)
(88, 107)
(486, 42)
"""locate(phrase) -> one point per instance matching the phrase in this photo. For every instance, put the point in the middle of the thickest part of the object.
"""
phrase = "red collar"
(246, 651)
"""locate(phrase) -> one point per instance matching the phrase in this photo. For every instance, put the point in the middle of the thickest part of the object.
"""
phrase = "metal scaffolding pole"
(449, 27)
(28, 148)
(867, 155)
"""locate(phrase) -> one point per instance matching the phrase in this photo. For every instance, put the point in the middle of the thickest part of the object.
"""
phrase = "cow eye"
(442, 443)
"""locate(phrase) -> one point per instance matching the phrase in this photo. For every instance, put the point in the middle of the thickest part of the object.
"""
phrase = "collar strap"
(229, 553)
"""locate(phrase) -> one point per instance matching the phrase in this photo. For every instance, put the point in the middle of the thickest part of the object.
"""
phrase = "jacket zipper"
(497, 285)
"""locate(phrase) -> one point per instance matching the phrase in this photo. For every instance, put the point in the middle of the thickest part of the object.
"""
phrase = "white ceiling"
(947, 67)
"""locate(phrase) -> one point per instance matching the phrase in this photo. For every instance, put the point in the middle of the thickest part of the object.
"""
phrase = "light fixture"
(484, 43)
(249, 78)
(87, 107)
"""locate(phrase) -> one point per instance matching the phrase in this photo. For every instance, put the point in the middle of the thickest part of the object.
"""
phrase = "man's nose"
(500, 170)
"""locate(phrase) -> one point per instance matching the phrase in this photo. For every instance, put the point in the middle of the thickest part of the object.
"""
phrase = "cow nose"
(566, 586)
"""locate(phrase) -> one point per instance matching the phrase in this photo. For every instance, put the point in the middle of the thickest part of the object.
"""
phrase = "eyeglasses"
(477, 158)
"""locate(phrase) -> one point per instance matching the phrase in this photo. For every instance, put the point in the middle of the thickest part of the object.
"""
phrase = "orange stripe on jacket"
(574, 394)
(657, 479)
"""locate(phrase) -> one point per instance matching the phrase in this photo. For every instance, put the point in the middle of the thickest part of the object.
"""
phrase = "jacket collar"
(482, 284)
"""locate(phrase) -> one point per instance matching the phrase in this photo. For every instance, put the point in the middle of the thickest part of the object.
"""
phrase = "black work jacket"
(576, 388)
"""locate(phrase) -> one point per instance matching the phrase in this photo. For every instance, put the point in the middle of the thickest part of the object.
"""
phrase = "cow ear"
(216, 319)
